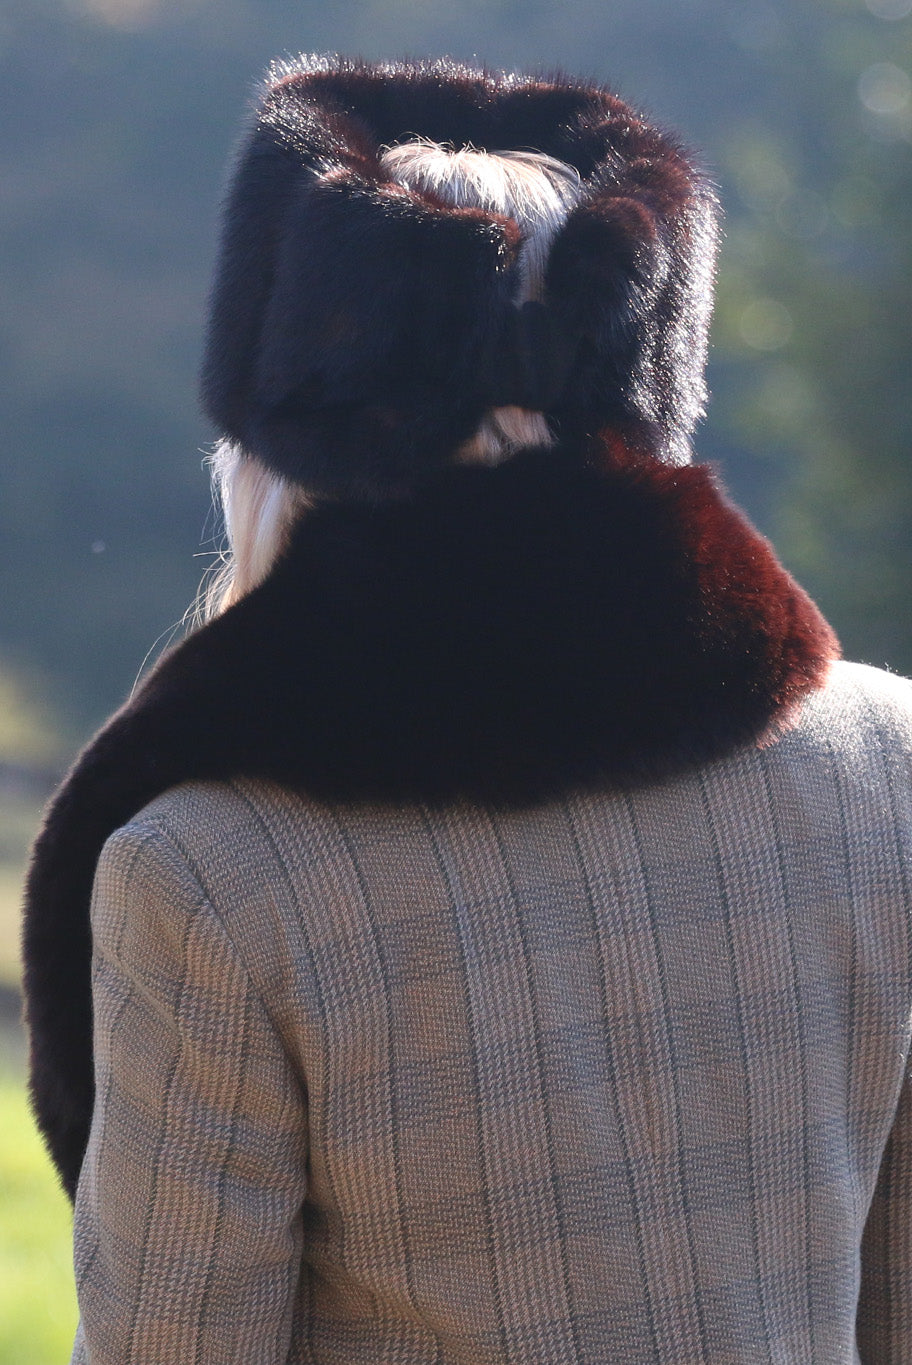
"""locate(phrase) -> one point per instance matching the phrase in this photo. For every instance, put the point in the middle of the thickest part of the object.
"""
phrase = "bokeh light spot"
(766, 325)
(885, 89)
(890, 9)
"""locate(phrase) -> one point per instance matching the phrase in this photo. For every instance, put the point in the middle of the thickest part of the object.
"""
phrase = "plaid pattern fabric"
(620, 1079)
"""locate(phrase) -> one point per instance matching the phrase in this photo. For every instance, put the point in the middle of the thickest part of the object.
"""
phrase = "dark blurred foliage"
(120, 116)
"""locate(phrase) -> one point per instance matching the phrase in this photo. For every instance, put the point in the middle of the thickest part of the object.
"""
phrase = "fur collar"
(575, 616)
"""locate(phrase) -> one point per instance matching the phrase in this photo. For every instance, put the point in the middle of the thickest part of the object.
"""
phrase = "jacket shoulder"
(859, 704)
(232, 834)
(257, 855)
(851, 747)
(195, 810)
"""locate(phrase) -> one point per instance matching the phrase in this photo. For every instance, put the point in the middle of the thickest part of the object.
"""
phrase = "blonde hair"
(259, 507)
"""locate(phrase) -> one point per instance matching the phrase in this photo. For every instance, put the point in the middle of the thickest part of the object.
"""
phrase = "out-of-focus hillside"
(119, 120)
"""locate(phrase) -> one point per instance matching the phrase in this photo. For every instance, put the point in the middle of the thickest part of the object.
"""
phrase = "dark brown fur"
(577, 616)
(359, 332)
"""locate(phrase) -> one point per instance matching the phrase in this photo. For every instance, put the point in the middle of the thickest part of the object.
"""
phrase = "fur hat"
(360, 330)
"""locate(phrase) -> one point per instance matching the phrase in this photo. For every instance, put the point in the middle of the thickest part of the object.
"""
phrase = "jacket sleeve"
(884, 1329)
(188, 1221)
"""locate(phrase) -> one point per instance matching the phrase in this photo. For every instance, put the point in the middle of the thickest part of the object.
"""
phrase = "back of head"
(426, 264)
(536, 192)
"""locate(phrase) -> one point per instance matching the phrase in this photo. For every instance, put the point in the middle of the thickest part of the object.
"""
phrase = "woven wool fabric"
(611, 1080)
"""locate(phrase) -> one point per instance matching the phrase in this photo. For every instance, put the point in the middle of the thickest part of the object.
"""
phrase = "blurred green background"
(120, 117)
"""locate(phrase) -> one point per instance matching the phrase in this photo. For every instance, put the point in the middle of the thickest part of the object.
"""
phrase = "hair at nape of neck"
(259, 509)
(538, 192)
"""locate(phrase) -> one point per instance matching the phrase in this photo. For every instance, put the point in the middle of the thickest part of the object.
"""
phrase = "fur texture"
(574, 616)
(360, 331)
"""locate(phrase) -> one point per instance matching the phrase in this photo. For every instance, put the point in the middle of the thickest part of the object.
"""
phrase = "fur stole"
(575, 616)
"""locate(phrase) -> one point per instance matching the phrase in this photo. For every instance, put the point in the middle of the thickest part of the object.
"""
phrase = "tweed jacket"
(619, 1078)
